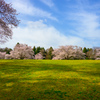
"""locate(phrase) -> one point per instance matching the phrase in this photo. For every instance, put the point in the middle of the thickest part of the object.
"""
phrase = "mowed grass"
(49, 80)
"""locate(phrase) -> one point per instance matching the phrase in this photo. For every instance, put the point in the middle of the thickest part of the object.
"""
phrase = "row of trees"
(7, 50)
(47, 54)
(23, 51)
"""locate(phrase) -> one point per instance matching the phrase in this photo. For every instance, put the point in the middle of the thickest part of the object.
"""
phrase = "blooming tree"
(38, 56)
(22, 51)
(8, 20)
(8, 56)
(2, 55)
(68, 52)
(97, 53)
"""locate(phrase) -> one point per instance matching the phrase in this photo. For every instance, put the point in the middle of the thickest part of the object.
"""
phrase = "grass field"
(49, 80)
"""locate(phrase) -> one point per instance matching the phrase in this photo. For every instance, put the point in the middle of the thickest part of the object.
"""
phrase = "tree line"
(69, 52)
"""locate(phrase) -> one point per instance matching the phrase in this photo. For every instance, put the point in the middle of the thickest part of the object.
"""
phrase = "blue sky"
(54, 23)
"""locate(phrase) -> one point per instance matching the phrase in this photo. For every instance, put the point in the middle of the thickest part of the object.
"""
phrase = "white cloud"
(85, 22)
(39, 34)
(25, 7)
(86, 25)
(48, 2)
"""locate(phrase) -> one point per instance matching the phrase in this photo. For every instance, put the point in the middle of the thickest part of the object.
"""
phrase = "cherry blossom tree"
(38, 56)
(68, 52)
(8, 56)
(22, 51)
(7, 21)
(97, 53)
(2, 55)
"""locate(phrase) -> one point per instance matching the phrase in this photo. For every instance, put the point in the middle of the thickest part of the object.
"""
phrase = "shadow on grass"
(18, 82)
(51, 89)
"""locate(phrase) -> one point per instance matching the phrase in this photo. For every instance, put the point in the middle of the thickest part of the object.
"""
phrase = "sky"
(54, 23)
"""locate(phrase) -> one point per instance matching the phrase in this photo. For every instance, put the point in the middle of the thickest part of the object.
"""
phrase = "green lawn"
(49, 80)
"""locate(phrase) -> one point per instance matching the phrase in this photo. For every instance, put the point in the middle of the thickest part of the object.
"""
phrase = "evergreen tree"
(34, 49)
(7, 50)
(49, 53)
(43, 52)
(85, 50)
(38, 49)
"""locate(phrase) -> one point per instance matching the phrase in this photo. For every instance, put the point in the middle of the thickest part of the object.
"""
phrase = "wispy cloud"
(25, 7)
(39, 34)
(48, 2)
(85, 23)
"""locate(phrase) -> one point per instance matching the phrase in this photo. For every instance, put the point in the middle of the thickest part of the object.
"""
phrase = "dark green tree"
(43, 52)
(38, 49)
(34, 49)
(84, 50)
(7, 50)
(49, 53)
